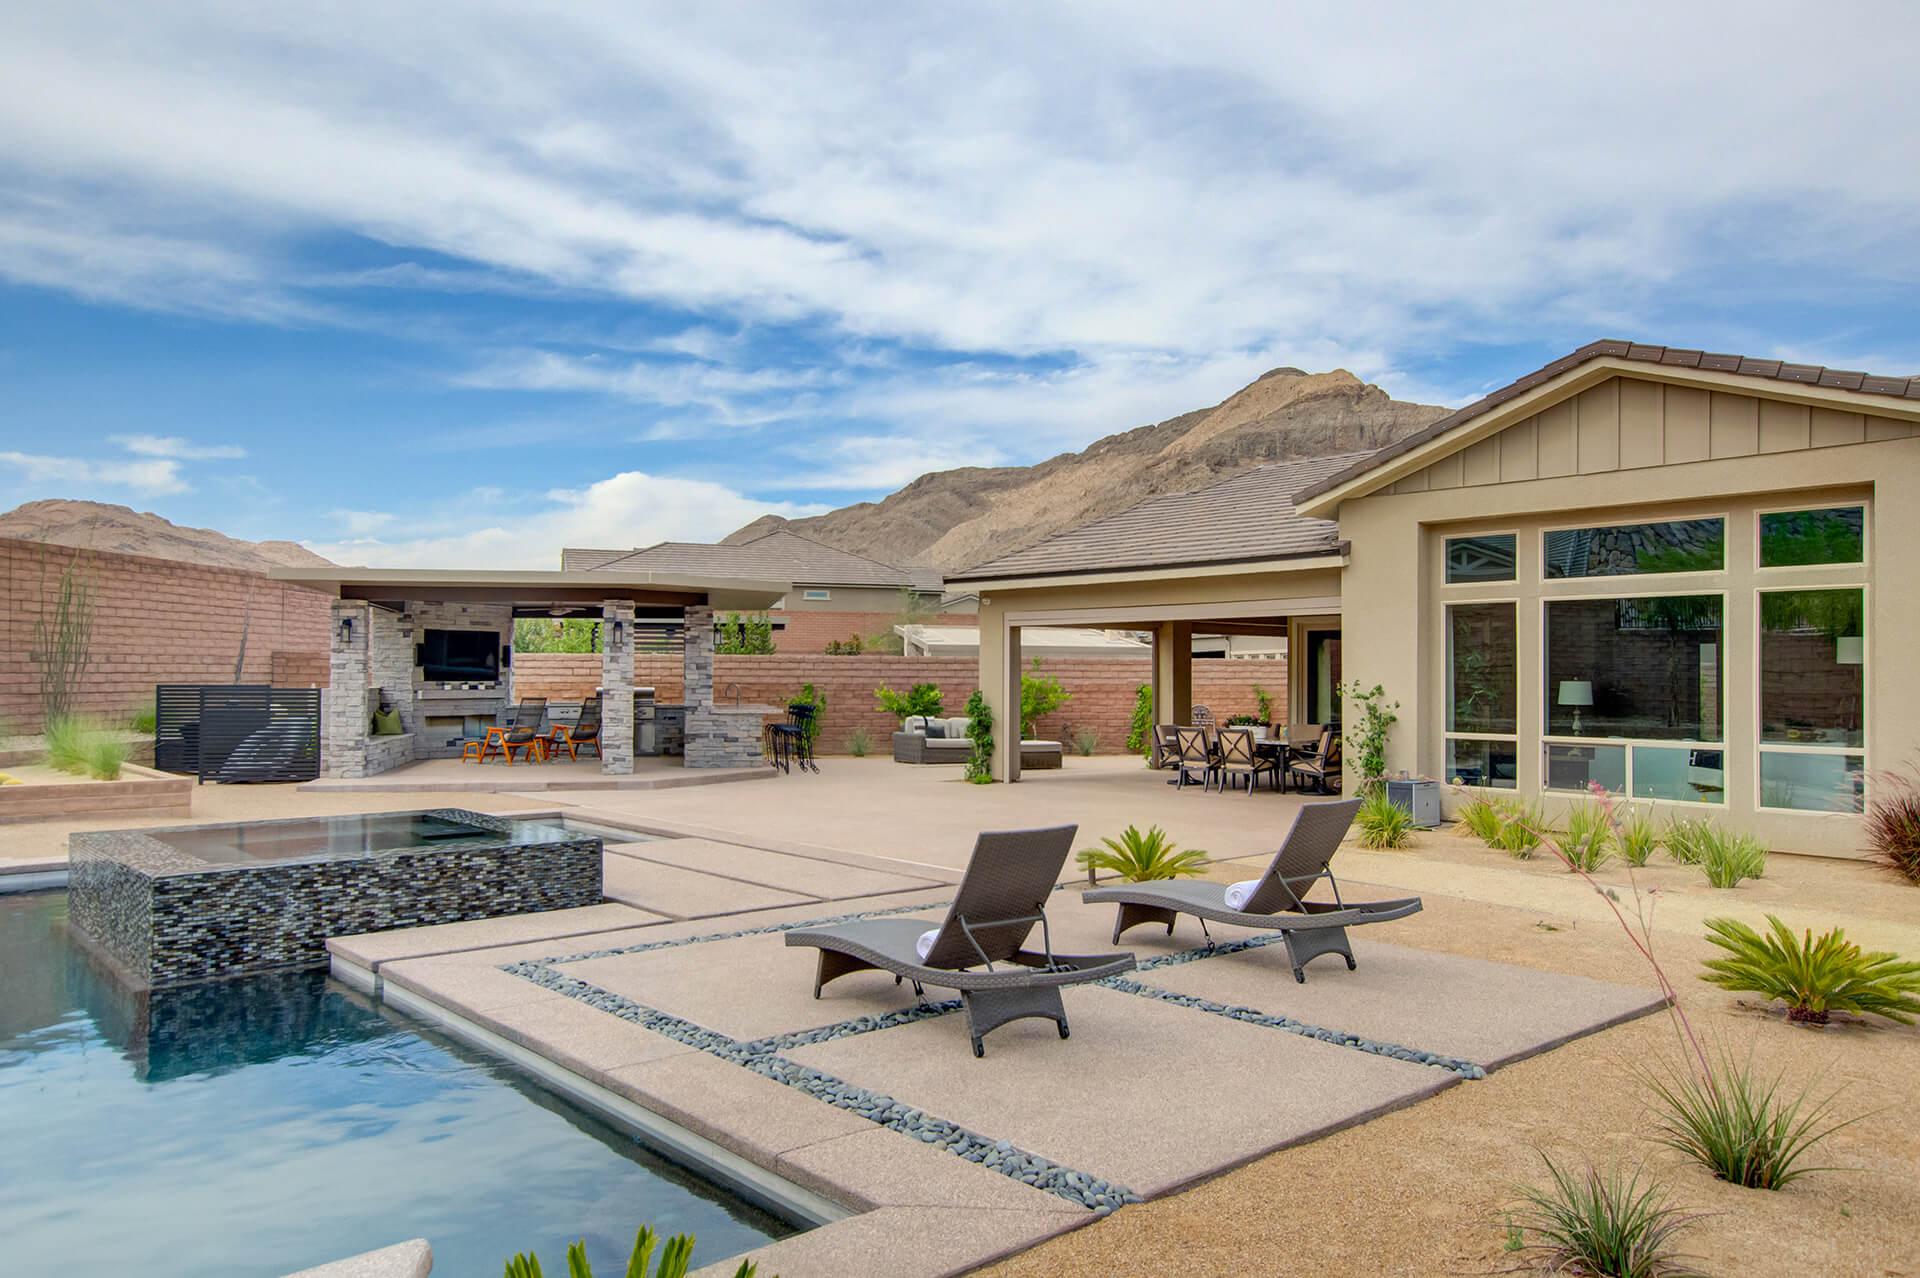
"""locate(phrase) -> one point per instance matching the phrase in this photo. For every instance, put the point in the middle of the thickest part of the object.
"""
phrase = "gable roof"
(1634, 352)
(1244, 517)
(779, 554)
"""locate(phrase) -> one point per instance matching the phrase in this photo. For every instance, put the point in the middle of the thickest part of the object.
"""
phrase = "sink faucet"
(734, 688)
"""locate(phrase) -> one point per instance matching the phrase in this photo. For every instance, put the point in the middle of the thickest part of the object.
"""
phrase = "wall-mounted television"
(459, 656)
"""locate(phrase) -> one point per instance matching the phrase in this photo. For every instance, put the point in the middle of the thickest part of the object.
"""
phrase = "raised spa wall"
(163, 918)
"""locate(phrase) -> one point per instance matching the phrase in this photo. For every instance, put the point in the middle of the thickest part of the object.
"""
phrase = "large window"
(1624, 678)
(1482, 695)
(1836, 535)
(1813, 652)
(1681, 545)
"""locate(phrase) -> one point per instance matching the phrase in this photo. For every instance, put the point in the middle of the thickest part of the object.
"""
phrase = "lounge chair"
(583, 732)
(1311, 928)
(979, 947)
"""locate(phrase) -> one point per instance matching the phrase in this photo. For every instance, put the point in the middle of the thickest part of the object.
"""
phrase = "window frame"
(1448, 735)
(1864, 749)
(815, 595)
(1866, 539)
(1724, 515)
(1509, 582)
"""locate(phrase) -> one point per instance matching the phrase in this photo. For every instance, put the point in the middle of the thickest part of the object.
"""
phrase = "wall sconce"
(1576, 693)
(346, 630)
(619, 633)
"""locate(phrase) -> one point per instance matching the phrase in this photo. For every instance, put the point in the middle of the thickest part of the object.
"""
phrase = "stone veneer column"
(708, 745)
(616, 687)
(345, 711)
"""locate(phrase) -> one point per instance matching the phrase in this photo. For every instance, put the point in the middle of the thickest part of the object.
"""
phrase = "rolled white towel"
(925, 942)
(1237, 895)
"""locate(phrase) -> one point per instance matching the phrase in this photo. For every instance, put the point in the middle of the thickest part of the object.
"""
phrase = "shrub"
(1728, 858)
(104, 757)
(1893, 823)
(674, 1258)
(1382, 822)
(1086, 741)
(1480, 813)
(1040, 695)
(1812, 977)
(1741, 1129)
(1608, 1223)
(751, 636)
(1687, 839)
(844, 647)
(68, 736)
(1264, 701)
(1585, 843)
(980, 730)
(1521, 827)
(859, 743)
(144, 720)
(921, 699)
(1138, 730)
(1139, 857)
(1368, 739)
(1637, 836)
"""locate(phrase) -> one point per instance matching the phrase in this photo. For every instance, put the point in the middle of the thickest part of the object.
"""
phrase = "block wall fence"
(1102, 687)
(156, 621)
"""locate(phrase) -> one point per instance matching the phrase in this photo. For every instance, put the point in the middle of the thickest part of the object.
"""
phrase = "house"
(1669, 573)
(836, 595)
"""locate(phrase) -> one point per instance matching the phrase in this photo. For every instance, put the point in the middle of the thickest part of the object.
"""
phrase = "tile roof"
(780, 555)
(1669, 356)
(1248, 516)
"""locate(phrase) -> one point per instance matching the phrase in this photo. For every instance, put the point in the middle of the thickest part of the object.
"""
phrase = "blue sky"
(460, 287)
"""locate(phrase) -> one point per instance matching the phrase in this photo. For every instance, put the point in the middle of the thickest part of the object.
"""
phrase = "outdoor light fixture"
(619, 633)
(1850, 650)
(1576, 693)
(346, 630)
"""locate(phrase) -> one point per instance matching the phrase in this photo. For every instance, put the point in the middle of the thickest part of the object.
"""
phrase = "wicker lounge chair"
(1311, 928)
(980, 947)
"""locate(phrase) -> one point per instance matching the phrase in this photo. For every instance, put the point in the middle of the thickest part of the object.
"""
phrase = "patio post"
(616, 687)
(1173, 672)
(345, 713)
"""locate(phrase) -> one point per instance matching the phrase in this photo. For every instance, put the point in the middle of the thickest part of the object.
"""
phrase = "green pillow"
(386, 723)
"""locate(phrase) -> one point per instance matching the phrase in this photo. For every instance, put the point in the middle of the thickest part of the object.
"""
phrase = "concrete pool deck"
(856, 1106)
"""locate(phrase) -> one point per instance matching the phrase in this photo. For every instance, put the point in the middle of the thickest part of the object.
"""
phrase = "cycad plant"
(1812, 976)
(1611, 1223)
(1139, 857)
(674, 1257)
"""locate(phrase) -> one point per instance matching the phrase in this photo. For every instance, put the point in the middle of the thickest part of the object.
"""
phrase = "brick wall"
(157, 621)
(1102, 687)
(300, 669)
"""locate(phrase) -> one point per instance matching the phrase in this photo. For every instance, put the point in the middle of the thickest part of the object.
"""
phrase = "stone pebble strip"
(762, 1056)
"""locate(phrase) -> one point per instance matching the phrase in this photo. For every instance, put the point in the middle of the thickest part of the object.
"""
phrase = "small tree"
(751, 636)
(1264, 700)
(1138, 741)
(921, 699)
(63, 635)
(1369, 739)
(534, 634)
(980, 730)
(1040, 695)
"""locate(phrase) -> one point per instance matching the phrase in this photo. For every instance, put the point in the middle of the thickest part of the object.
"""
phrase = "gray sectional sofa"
(923, 740)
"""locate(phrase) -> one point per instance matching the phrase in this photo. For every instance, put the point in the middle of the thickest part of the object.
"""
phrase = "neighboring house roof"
(785, 555)
(1057, 641)
(1668, 356)
(1248, 516)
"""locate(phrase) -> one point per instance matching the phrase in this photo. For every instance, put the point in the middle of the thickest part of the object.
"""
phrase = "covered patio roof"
(524, 588)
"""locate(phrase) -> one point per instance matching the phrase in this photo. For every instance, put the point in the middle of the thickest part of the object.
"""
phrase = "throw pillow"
(936, 730)
(386, 723)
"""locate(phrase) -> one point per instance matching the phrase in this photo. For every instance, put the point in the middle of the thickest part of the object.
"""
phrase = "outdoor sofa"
(924, 740)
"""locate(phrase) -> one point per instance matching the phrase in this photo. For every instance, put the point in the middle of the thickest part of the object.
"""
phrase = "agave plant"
(674, 1257)
(1139, 857)
(1812, 976)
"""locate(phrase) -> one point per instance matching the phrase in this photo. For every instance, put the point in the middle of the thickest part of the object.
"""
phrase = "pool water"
(330, 836)
(254, 1127)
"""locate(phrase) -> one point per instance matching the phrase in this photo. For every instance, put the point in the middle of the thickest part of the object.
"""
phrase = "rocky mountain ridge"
(952, 519)
(122, 530)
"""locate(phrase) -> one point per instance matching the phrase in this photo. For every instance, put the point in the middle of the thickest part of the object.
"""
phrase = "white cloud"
(174, 446)
(152, 477)
(628, 509)
(362, 523)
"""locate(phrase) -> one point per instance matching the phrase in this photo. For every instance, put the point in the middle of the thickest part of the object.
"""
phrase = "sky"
(455, 285)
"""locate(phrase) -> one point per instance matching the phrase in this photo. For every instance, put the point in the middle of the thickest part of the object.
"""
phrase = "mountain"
(121, 530)
(952, 519)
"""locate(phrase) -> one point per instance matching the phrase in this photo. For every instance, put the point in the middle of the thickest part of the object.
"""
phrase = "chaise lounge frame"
(1310, 928)
(981, 946)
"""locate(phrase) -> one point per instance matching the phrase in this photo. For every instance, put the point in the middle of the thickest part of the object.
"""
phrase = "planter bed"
(40, 797)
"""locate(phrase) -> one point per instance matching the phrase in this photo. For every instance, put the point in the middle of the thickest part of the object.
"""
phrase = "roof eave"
(1305, 561)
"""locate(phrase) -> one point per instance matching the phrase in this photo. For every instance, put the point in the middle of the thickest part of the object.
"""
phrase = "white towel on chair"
(925, 942)
(1237, 895)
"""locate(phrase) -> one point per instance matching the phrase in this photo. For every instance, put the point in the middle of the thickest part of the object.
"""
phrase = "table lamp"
(1576, 693)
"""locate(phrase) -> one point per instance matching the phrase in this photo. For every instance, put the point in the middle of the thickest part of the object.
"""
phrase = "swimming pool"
(253, 1127)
